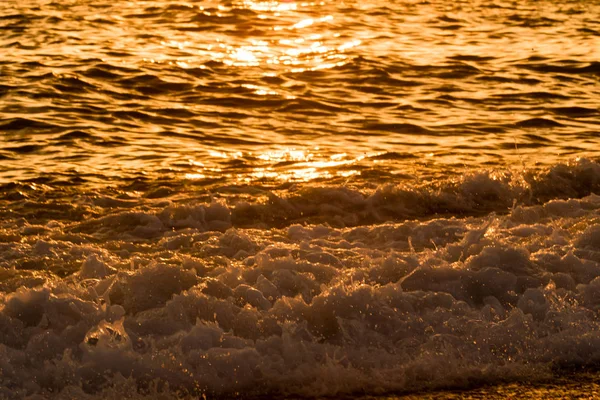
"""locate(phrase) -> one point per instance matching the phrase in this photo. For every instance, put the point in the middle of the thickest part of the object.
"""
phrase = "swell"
(477, 193)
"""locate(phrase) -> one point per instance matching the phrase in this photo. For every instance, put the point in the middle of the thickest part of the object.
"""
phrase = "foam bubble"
(221, 299)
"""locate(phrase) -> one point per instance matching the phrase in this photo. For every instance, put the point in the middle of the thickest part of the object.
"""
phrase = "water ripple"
(153, 85)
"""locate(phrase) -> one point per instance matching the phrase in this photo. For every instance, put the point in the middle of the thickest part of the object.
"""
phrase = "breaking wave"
(324, 292)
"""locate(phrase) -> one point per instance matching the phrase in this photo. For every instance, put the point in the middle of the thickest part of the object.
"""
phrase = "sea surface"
(298, 199)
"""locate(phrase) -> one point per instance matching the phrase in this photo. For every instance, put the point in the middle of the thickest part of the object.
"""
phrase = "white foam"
(175, 298)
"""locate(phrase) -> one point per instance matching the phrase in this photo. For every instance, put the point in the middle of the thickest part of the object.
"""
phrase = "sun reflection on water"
(433, 83)
(286, 37)
(281, 37)
(284, 165)
(271, 6)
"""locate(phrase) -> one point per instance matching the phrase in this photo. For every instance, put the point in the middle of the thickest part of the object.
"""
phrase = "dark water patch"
(163, 88)
(73, 85)
(240, 163)
(217, 18)
(103, 65)
(541, 22)
(537, 138)
(460, 71)
(5, 89)
(18, 124)
(449, 98)
(101, 73)
(12, 16)
(570, 149)
(159, 192)
(457, 70)
(517, 98)
(302, 115)
(175, 112)
(368, 89)
(544, 95)
(118, 95)
(147, 118)
(149, 157)
(179, 7)
(504, 79)
(25, 149)
(74, 157)
(309, 76)
(376, 104)
(393, 156)
(198, 72)
(520, 145)
(491, 128)
(411, 108)
(569, 78)
(119, 54)
(397, 128)
(82, 111)
(228, 114)
(447, 18)
(75, 135)
(589, 31)
(102, 21)
(200, 28)
(112, 142)
(538, 123)
(448, 88)
(536, 58)
(53, 20)
(471, 147)
(276, 80)
(145, 15)
(176, 86)
(201, 123)
(592, 68)
(437, 102)
(575, 112)
(379, 11)
(450, 27)
(473, 58)
(41, 110)
(43, 179)
(382, 76)
(20, 45)
(131, 115)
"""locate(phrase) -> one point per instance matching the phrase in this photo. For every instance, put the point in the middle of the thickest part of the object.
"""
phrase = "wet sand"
(583, 386)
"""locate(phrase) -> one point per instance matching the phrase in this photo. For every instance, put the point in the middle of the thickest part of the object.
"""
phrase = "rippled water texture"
(298, 199)
(282, 90)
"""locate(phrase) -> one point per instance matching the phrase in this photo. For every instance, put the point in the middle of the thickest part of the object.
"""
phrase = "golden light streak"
(195, 176)
(270, 6)
(304, 44)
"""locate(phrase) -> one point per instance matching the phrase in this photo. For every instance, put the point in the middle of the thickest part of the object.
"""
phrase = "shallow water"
(296, 198)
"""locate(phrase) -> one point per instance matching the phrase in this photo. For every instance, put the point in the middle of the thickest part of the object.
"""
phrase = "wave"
(325, 292)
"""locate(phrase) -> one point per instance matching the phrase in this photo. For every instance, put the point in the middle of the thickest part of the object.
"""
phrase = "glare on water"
(462, 83)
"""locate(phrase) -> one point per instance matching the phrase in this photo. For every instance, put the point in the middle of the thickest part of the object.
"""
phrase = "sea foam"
(327, 292)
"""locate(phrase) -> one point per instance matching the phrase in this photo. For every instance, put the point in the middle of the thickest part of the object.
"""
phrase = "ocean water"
(289, 199)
